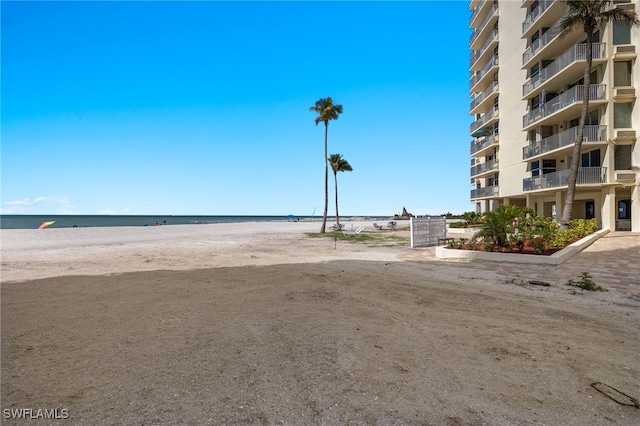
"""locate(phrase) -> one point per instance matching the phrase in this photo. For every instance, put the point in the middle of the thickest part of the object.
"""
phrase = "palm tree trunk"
(577, 147)
(335, 175)
(326, 180)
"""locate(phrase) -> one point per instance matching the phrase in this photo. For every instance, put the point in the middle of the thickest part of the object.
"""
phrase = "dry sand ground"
(261, 324)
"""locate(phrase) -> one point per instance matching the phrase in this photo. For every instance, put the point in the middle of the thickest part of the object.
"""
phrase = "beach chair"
(376, 226)
(355, 233)
(392, 225)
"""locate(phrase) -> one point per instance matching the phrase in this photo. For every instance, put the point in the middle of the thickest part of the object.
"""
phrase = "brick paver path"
(613, 261)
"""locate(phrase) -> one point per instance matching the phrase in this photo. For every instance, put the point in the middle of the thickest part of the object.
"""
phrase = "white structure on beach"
(526, 94)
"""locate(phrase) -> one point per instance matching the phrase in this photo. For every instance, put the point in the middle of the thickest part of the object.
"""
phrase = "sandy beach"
(262, 324)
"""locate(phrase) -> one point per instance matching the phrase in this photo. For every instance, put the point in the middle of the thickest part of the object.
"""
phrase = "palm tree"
(588, 15)
(326, 111)
(338, 164)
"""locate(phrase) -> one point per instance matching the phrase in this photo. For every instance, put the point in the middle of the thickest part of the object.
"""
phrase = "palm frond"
(339, 164)
(589, 15)
(326, 110)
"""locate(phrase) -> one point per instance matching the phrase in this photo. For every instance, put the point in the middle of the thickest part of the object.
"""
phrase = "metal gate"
(427, 230)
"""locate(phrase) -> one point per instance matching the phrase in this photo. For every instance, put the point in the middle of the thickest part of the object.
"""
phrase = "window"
(624, 209)
(622, 73)
(534, 37)
(496, 127)
(590, 209)
(535, 102)
(534, 70)
(495, 103)
(591, 159)
(621, 33)
(548, 166)
(622, 156)
(535, 168)
(622, 115)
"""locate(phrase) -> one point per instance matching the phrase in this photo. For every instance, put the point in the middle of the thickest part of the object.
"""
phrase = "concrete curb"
(442, 252)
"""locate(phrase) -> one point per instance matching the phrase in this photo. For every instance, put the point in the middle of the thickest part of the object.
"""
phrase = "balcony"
(477, 54)
(572, 97)
(564, 139)
(483, 75)
(537, 46)
(477, 10)
(572, 56)
(586, 176)
(482, 121)
(535, 14)
(483, 168)
(487, 191)
(475, 35)
(478, 100)
(483, 144)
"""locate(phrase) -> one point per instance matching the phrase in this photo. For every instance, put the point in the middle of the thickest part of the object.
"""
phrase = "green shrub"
(583, 227)
(539, 244)
(457, 225)
(456, 244)
(563, 237)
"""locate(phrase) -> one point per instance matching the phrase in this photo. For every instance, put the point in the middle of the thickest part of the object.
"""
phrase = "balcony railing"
(487, 191)
(474, 35)
(535, 14)
(586, 176)
(476, 11)
(483, 143)
(484, 167)
(482, 96)
(476, 78)
(576, 53)
(483, 120)
(562, 139)
(477, 53)
(541, 42)
(597, 92)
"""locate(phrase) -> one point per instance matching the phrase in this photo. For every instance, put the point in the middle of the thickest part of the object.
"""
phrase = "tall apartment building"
(526, 89)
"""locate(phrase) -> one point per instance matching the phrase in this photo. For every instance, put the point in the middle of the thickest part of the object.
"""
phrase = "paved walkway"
(613, 261)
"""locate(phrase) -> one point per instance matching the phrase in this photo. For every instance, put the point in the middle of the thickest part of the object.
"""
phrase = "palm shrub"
(471, 218)
(497, 224)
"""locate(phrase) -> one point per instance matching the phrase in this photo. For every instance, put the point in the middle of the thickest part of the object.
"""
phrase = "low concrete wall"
(442, 252)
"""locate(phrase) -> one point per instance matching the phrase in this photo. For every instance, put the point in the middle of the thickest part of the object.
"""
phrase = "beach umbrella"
(45, 224)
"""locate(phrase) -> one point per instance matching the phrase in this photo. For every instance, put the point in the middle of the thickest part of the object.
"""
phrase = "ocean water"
(70, 221)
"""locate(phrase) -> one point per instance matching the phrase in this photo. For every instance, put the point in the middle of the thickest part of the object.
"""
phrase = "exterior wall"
(601, 192)
(512, 138)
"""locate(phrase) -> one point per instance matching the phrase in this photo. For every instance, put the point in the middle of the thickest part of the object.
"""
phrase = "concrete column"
(559, 205)
(635, 208)
(609, 208)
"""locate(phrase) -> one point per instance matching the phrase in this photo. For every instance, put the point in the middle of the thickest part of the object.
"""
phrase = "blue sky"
(202, 108)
